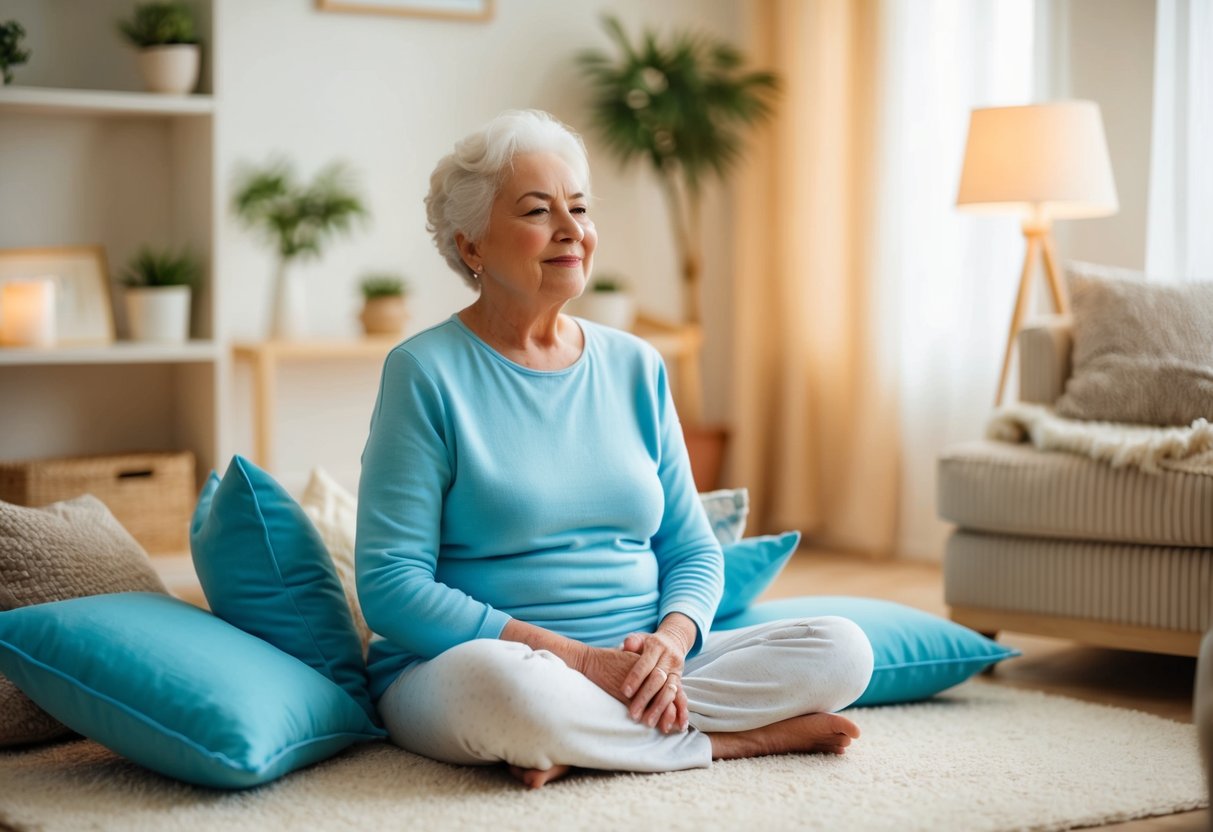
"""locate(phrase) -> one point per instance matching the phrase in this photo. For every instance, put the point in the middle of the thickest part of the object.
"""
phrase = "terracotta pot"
(706, 445)
(384, 316)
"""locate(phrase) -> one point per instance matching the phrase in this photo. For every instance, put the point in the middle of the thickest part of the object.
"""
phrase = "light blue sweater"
(490, 490)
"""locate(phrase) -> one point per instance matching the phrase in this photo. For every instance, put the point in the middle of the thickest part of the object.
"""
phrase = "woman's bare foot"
(534, 778)
(812, 733)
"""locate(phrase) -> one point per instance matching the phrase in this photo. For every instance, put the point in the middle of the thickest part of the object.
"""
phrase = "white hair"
(466, 181)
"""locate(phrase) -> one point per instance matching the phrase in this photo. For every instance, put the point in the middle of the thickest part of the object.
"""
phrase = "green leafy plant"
(163, 267)
(297, 218)
(682, 105)
(608, 283)
(159, 24)
(11, 53)
(383, 285)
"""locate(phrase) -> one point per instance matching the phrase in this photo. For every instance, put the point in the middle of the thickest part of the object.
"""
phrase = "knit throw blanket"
(1152, 449)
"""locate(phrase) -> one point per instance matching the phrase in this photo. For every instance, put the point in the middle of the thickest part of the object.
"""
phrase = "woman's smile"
(566, 261)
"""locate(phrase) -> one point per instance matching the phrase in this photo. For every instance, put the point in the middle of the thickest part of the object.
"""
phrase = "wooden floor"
(1156, 684)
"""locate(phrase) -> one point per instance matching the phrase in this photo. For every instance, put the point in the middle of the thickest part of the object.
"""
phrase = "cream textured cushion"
(64, 550)
(334, 512)
(1143, 352)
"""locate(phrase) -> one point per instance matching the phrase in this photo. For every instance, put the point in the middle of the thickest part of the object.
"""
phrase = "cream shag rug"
(979, 757)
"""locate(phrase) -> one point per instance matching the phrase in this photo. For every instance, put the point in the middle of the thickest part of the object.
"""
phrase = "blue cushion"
(176, 689)
(917, 654)
(750, 565)
(265, 569)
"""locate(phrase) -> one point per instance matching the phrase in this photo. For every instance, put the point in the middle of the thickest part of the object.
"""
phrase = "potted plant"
(383, 307)
(681, 106)
(169, 54)
(608, 302)
(11, 53)
(298, 219)
(158, 288)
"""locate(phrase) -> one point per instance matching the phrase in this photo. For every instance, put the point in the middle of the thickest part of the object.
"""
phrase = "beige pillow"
(1143, 352)
(64, 550)
(333, 510)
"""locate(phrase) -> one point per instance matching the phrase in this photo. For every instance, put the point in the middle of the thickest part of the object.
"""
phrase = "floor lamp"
(1042, 162)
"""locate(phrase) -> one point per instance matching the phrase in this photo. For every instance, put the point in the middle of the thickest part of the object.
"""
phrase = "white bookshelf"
(54, 101)
(87, 158)
(122, 352)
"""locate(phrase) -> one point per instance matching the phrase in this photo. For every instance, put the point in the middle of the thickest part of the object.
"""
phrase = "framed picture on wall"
(442, 9)
(84, 312)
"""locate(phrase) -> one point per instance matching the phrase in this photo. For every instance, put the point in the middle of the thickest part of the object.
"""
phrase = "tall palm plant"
(682, 105)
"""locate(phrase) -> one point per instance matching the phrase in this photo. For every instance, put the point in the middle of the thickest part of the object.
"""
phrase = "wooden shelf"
(311, 349)
(121, 352)
(55, 101)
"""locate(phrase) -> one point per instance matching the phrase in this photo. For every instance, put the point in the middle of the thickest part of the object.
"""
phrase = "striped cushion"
(1149, 586)
(1002, 487)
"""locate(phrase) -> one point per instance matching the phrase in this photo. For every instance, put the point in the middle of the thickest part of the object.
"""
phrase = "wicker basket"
(151, 494)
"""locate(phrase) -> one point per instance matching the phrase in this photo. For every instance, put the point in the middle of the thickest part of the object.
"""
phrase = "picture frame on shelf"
(472, 10)
(84, 312)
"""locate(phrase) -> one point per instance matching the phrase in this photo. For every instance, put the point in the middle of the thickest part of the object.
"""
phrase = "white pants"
(489, 701)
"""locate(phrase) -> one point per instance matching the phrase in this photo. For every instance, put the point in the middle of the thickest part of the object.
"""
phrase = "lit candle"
(27, 313)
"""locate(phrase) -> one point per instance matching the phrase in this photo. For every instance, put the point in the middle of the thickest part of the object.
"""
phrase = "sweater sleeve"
(689, 557)
(407, 466)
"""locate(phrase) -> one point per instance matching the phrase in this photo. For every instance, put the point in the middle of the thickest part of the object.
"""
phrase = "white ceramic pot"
(172, 69)
(288, 307)
(159, 313)
(617, 309)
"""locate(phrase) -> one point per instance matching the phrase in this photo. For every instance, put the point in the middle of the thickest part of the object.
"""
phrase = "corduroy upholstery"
(1047, 539)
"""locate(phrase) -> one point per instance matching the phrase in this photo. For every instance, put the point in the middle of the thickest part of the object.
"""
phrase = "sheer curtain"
(869, 314)
(1179, 242)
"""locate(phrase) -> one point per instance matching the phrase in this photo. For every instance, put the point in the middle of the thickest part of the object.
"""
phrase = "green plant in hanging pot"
(11, 53)
(159, 284)
(682, 105)
(299, 220)
(383, 303)
(165, 34)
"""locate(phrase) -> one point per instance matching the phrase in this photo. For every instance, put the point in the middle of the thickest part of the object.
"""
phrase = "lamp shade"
(1051, 158)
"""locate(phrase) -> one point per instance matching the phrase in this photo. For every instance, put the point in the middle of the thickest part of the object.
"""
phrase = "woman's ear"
(467, 251)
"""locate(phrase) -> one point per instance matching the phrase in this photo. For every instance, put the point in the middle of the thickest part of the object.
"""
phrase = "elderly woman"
(531, 547)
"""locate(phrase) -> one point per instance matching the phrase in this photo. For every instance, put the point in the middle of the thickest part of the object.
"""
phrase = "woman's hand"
(607, 668)
(654, 683)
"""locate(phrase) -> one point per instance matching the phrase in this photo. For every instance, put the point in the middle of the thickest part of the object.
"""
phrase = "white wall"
(391, 95)
(1104, 51)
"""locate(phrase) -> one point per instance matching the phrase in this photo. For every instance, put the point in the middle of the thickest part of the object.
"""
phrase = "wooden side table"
(264, 358)
(678, 344)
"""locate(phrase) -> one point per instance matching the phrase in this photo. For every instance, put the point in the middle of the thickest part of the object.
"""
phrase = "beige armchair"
(1056, 544)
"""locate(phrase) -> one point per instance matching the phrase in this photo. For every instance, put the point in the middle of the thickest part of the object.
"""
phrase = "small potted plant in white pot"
(383, 306)
(169, 54)
(159, 284)
(607, 301)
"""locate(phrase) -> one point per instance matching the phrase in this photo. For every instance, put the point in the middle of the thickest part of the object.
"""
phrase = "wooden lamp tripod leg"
(1061, 301)
(1021, 304)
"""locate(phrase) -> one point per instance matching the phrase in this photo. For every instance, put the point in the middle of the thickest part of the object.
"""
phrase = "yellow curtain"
(815, 433)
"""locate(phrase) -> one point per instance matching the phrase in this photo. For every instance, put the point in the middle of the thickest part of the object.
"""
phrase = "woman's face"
(540, 239)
